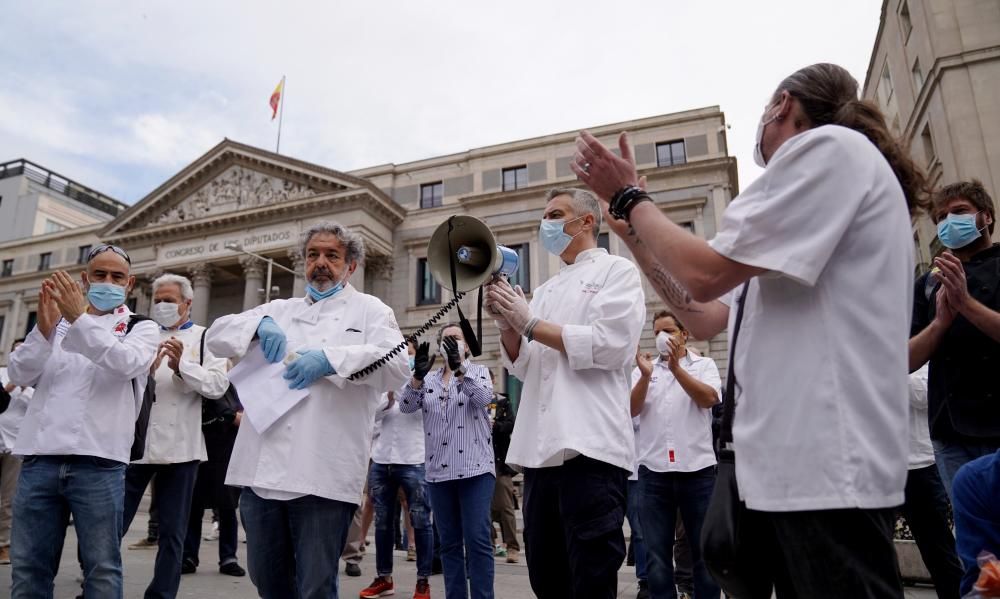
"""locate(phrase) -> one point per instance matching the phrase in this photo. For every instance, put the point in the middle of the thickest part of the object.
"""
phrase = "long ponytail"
(828, 95)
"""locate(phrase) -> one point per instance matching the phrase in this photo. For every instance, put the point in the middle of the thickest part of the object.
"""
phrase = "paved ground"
(511, 579)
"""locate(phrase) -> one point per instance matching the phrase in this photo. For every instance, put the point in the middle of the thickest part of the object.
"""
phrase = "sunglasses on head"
(104, 247)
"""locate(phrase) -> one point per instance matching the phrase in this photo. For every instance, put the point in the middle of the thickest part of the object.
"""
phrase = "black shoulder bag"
(218, 410)
(148, 397)
(724, 544)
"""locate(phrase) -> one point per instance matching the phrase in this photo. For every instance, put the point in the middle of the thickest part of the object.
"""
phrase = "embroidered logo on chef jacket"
(120, 328)
(591, 288)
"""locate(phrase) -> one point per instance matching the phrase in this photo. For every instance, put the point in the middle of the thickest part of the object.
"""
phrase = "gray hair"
(583, 202)
(352, 242)
(171, 279)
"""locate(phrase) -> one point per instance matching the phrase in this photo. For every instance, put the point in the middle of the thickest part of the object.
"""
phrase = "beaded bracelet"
(625, 200)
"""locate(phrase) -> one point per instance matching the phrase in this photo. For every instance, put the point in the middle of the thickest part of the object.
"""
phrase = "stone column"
(378, 275)
(201, 280)
(358, 278)
(13, 325)
(299, 266)
(253, 273)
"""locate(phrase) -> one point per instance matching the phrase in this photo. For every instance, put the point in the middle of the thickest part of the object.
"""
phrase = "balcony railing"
(62, 185)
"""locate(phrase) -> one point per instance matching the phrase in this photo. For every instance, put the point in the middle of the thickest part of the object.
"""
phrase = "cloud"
(137, 90)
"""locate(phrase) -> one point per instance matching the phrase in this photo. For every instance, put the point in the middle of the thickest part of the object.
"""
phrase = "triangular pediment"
(232, 178)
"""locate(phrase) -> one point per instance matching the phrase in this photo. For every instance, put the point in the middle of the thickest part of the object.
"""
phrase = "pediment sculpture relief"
(237, 188)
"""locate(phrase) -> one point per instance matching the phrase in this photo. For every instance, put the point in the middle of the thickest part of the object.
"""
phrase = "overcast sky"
(121, 95)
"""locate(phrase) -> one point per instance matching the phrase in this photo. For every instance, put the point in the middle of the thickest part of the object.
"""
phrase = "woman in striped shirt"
(459, 459)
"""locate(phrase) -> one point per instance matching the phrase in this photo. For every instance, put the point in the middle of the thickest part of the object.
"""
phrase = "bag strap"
(201, 350)
(471, 338)
(729, 406)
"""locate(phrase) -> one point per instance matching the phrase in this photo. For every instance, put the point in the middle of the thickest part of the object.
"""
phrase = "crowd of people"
(829, 434)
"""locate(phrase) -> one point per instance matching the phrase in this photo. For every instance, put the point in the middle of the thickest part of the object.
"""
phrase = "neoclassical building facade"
(237, 199)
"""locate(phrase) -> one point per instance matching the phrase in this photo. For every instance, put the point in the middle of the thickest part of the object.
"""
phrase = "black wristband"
(625, 200)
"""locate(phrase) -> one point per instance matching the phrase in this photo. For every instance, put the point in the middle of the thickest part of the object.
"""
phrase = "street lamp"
(270, 264)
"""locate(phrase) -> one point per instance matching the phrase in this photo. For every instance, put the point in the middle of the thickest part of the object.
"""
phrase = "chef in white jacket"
(89, 371)
(10, 464)
(175, 444)
(303, 476)
(573, 436)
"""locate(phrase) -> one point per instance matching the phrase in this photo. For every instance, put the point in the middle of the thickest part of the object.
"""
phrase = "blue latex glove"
(309, 366)
(272, 339)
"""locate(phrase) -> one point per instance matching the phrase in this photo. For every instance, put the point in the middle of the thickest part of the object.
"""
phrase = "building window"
(428, 290)
(523, 275)
(918, 78)
(81, 257)
(3, 321)
(904, 21)
(670, 153)
(928, 144)
(885, 86)
(515, 178)
(53, 227)
(431, 194)
(32, 319)
(45, 261)
(8, 268)
(604, 241)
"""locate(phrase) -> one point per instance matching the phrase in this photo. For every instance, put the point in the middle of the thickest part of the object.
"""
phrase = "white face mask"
(758, 152)
(166, 314)
(663, 344)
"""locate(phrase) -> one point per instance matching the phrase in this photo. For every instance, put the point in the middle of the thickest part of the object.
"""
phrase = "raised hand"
(951, 273)
(423, 361)
(645, 363)
(512, 306)
(173, 349)
(451, 352)
(600, 169)
(48, 312)
(68, 296)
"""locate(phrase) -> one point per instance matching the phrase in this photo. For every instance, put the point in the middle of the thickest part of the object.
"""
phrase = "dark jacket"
(503, 426)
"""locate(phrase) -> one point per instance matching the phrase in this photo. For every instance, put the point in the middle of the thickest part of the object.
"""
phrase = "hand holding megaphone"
(510, 304)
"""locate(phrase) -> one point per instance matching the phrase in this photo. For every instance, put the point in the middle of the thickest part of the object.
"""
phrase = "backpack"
(148, 397)
(218, 410)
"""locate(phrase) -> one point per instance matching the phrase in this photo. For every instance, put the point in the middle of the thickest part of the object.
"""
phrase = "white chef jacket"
(578, 402)
(921, 449)
(321, 446)
(174, 435)
(820, 425)
(10, 420)
(89, 379)
(675, 433)
(399, 437)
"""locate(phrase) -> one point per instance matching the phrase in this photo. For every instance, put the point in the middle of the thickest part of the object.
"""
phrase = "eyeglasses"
(104, 247)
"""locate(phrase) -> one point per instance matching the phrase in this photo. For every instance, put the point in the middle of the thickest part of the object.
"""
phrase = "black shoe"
(232, 569)
(352, 569)
(188, 566)
(643, 590)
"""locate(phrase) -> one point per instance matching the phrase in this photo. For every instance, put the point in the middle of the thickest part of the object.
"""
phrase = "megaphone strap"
(471, 337)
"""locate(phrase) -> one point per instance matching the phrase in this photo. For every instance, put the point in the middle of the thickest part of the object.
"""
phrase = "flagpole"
(281, 115)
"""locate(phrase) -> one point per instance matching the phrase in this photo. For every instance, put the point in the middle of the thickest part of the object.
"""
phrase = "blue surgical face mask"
(553, 235)
(318, 295)
(413, 362)
(105, 296)
(958, 230)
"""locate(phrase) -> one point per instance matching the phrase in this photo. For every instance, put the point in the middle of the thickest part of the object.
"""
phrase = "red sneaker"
(423, 590)
(380, 587)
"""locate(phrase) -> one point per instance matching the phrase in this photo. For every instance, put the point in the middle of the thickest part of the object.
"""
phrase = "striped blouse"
(459, 441)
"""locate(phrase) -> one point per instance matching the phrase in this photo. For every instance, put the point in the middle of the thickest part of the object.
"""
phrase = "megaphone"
(468, 243)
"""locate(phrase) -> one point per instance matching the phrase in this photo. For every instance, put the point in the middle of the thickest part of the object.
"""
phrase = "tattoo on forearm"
(670, 290)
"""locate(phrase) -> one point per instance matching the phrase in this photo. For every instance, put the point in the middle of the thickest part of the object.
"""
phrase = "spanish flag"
(276, 98)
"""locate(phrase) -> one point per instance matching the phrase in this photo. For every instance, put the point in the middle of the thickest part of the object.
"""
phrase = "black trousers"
(828, 554)
(926, 511)
(573, 538)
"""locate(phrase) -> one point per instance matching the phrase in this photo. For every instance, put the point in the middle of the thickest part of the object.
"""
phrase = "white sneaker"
(214, 535)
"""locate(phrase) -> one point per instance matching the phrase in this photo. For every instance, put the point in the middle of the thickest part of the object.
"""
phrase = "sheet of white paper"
(263, 392)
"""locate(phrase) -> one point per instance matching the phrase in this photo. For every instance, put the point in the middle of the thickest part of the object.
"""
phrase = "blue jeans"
(661, 495)
(634, 523)
(462, 514)
(384, 482)
(174, 486)
(293, 546)
(49, 490)
(952, 455)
